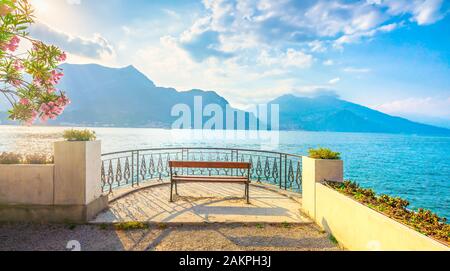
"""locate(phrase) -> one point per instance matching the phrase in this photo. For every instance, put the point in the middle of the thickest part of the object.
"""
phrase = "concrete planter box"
(77, 172)
(68, 191)
(358, 227)
(315, 171)
(26, 184)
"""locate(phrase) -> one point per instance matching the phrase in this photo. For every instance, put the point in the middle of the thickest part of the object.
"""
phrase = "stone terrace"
(204, 203)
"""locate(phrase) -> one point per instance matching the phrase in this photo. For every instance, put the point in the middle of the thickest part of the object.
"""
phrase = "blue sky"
(393, 56)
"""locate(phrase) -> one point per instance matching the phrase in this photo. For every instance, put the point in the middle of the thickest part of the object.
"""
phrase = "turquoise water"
(414, 167)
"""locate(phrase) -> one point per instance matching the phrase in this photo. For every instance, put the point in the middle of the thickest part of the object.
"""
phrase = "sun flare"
(40, 6)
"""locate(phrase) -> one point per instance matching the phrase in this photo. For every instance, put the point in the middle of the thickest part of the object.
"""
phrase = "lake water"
(416, 168)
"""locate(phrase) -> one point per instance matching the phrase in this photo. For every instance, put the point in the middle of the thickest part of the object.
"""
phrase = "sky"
(390, 55)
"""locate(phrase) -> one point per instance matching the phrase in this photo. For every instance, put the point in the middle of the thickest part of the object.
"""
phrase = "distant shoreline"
(218, 130)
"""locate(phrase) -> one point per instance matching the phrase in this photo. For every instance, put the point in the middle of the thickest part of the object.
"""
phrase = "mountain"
(328, 113)
(124, 97)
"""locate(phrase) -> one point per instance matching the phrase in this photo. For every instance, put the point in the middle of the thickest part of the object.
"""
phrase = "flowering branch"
(29, 79)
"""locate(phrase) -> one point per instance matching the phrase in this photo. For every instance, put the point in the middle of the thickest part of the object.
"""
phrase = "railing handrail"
(203, 148)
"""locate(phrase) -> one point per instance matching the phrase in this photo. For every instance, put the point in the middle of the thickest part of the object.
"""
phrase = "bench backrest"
(198, 164)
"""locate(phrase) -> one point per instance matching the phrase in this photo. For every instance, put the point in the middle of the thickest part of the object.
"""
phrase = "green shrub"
(9, 158)
(324, 153)
(423, 221)
(79, 135)
(38, 159)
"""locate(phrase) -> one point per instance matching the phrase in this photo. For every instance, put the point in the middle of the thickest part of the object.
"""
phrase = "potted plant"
(325, 164)
(320, 165)
(324, 154)
(77, 167)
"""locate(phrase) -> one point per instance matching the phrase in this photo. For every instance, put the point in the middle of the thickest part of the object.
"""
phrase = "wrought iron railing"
(132, 168)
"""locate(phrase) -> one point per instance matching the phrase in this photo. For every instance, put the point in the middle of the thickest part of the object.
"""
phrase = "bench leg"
(176, 188)
(171, 192)
(247, 193)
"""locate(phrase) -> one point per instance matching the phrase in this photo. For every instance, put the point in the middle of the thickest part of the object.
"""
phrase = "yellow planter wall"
(357, 227)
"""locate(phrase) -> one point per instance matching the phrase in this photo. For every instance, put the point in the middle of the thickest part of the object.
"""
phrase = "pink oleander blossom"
(32, 118)
(12, 45)
(55, 77)
(62, 57)
(18, 65)
(24, 101)
(52, 110)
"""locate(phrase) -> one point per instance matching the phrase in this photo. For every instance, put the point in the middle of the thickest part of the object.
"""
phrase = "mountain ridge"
(125, 97)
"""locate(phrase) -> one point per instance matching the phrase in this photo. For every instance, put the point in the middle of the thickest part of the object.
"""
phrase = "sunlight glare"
(40, 6)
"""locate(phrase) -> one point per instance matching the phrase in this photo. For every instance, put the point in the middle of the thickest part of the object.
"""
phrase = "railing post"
(285, 172)
(281, 170)
(137, 169)
(132, 169)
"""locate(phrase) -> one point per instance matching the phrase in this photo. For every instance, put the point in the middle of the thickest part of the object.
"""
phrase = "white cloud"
(172, 13)
(357, 37)
(422, 12)
(357, 70)
(96, 47)
(297, 59)
(426, 106)
(238, 83)
(317, 46)
(334, 81)
(74, 2)
(290, 58)
(328, 62)
(314, 24)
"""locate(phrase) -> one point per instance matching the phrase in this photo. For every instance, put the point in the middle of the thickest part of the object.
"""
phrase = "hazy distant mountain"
(124, 97)
(328, 113)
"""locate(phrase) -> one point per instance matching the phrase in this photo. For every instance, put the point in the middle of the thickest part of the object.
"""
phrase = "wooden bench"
(175, 178)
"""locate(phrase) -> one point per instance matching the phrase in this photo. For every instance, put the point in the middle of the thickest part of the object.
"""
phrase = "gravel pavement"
(209, 237)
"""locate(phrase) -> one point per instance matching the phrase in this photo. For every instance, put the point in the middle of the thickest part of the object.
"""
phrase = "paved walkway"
(199, 203)
(216, 237)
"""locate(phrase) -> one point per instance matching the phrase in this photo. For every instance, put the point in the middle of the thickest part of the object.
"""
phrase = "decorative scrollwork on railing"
(118, 172)
(132, 168)
(127, 173)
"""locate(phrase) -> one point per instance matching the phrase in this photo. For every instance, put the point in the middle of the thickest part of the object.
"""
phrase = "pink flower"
(62, 57)
(37, 81)
(18, 65)
(55, 77)
(51, 110)
(5, 9)
(32, 118)
(13, 44)
(24, 101)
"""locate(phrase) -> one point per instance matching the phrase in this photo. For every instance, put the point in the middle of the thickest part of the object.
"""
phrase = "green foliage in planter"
(9, 158)
(38, 159)
(423, 221)
(324, 153)
(79, 135)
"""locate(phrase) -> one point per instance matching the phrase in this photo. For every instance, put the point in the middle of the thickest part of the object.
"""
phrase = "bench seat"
(211, 179)
(175, 178)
